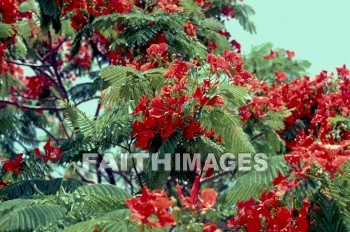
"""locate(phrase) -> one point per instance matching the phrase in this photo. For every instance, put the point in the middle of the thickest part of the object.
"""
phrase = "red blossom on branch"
(290, 54)
(199, 200)
(13, 166)
(51, 153)
(268, 215)
(190, 29)
(169, 6)
(210, 227)
(79, 20)
(151, 203)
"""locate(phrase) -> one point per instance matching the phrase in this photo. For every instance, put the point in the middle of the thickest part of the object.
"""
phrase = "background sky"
(317, 30)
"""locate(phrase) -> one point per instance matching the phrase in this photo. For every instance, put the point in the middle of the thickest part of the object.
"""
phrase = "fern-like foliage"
(253, 183)
(9, 123)
(6, 30)
(101, 198)
(113, 221)
(327, 216)
(157, 179)
(228, 126)
(28, 188)
(28, 217)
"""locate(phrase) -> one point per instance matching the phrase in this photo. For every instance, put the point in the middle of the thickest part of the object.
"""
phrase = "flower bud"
(176, 213)
(140, 227)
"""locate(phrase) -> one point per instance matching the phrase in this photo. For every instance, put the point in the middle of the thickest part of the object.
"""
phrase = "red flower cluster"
(151, 203)
(190, 29)
(9, 10)
(269, 215)
(97, 7)
(231, 63)
(343, 72)
(228, 11)
(281, 76)
(273, 54)
(51, 153)
(290, 54)
(157, 50)
(164, 112)
(79, 20)
(13, 165)
(169, 6)
(329, 157)
(162, 115)
(35, 85)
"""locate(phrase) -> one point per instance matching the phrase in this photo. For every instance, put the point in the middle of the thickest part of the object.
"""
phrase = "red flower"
(190, 29)
(121, 6)
(271, 55)
(290, 54)
(169, 5)
(210, 227)
(8, 10)
(343, 72)
(212, 46)
(251, 214)
(69, 6)
(236, 45)
(228, 11)
(177, 70)
(281, 76)
(51, 153)
(151, 203)
(157, 50)
(79, 21)
(3, 184)
(199, 95)
(36, 86)
(202, 201)
(13, 165)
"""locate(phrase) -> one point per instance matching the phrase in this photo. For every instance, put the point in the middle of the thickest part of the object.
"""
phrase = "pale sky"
(317, 30)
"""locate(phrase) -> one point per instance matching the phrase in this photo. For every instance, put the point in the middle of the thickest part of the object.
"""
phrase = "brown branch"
(29, 106)
(257, 136)
(29, 65)
(84, 178)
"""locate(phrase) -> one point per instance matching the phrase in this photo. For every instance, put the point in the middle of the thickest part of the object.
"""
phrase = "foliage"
(164, 78)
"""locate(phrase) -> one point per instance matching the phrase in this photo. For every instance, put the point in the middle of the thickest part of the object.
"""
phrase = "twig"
(217, 176)
(29, 106)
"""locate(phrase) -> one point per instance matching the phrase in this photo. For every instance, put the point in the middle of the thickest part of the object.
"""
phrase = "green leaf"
(23, 188)
(102, 198)
(31, 217)
(326, 216)
(233, 94)
(27, 6)
(49, 15)
(253, 183)
(9, 123)
(78, 120)
(7, 206)
(126, 84)
(6, 30)
(113, 221)
(275, 119)
(211, 24)
(157, 179)
(243, 13)
(20, 48)
(228, 126)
